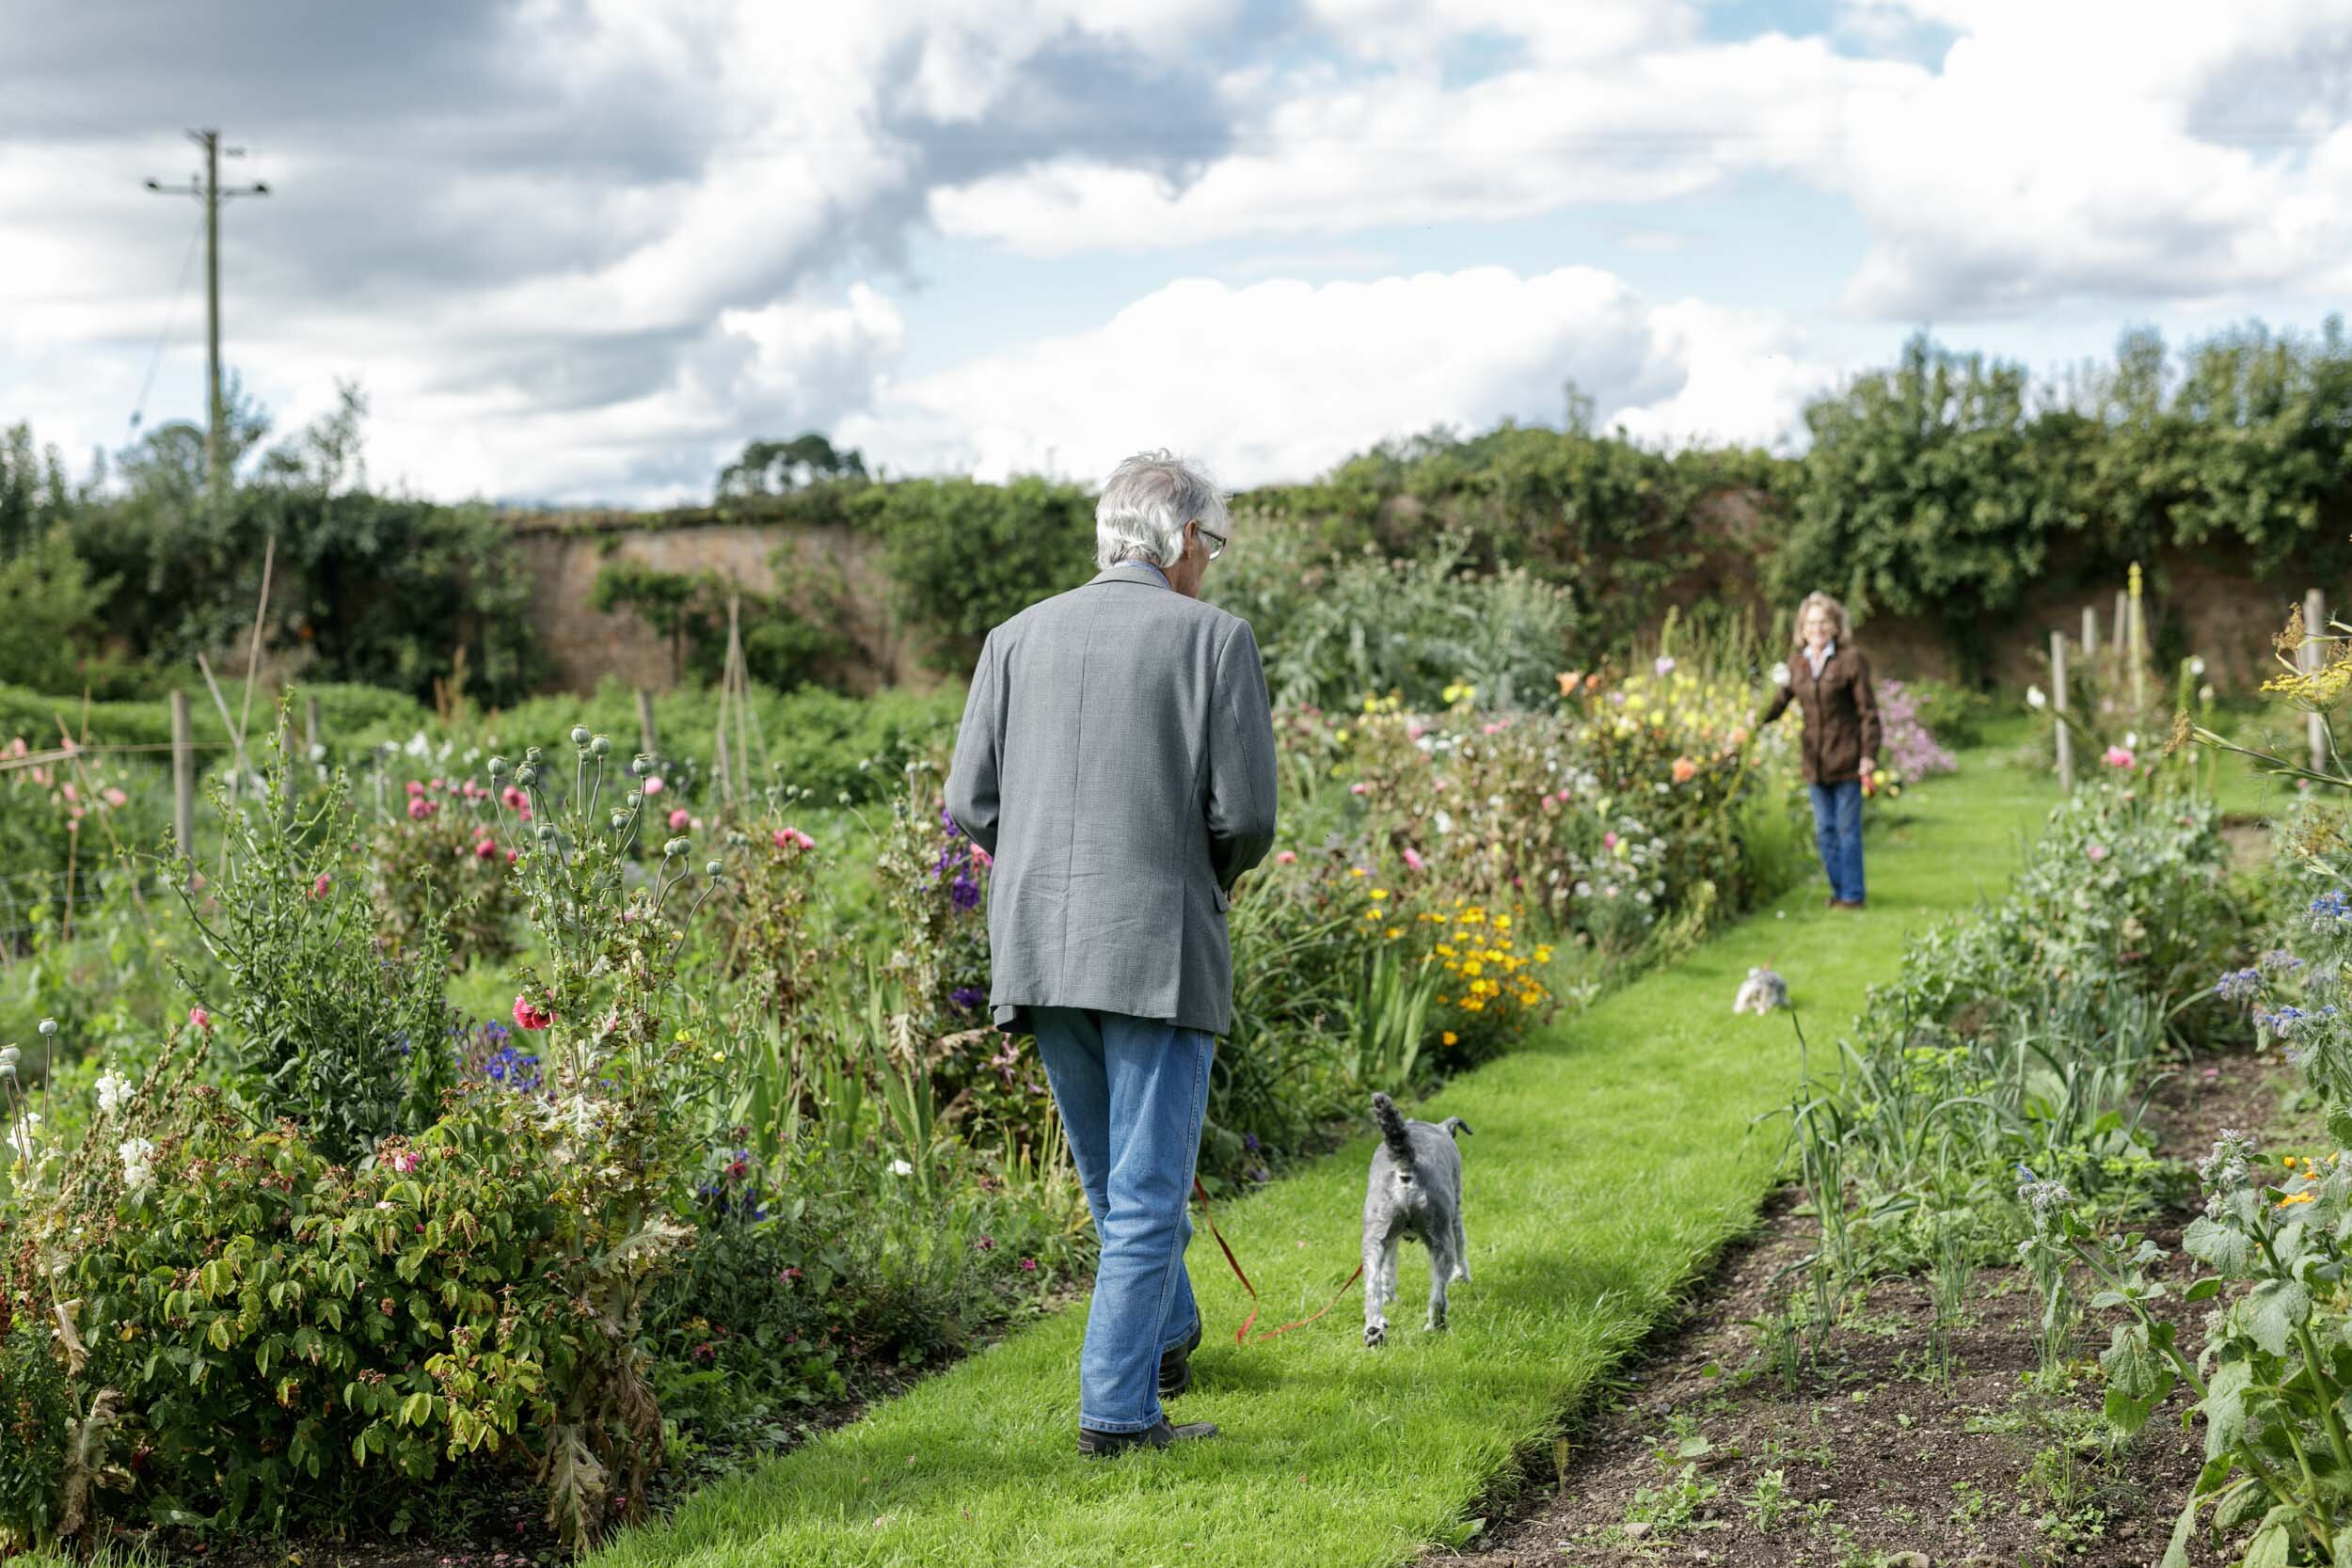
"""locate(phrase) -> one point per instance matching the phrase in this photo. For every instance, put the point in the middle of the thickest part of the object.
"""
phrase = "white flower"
(418, 745)
(139, 1157)
(2204, 695)
(1641, 897)
(2035, 698)
(1665, 666)
(1444, 822)
(113, 1089)
(1779, 673)
(899, 1168)
(1583, 889)
(2196, 665)
(2131, 740)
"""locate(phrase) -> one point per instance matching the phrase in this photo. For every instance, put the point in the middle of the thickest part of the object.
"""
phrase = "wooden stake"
(253, 652)
(2057, 701)
(2314, 623)
(2090, 632)
(183, 776)
(647, 741)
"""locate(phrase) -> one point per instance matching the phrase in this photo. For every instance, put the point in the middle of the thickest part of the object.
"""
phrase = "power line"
(208, 190)
(171, 317)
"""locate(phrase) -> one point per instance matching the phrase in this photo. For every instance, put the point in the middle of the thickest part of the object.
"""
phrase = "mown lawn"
(1611, 1161)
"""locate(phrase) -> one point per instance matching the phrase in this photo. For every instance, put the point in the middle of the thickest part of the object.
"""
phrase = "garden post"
(2314, 622)
(2090, 632)
(2057, 704)
(2119, 629)
(310, 726)
(645, 740)
(2136, 647)
(183, 777)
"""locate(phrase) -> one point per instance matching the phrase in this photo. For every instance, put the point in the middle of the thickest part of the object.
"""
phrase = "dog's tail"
(1453, 1127)
(1392, 1129)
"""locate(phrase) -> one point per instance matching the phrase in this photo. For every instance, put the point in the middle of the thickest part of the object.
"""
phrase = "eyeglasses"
(1217, 540)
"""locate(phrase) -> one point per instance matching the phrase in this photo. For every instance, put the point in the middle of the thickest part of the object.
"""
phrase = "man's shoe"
(1845, 904)
(1176, 1365)
(1102, 1445)
(1831, 902)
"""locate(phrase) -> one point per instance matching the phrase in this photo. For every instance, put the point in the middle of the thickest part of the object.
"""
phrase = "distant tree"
(780, 468)
(34, 491)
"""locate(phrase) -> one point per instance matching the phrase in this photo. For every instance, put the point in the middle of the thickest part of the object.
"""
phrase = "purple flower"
(947, 820)
(965, 893)
(2237, 984)
(1249, 1142)
(967, 997)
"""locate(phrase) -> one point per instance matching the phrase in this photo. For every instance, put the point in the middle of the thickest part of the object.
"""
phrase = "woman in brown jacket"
(1830, 680)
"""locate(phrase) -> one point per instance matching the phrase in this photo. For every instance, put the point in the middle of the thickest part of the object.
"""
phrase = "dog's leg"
(1387, 1264)
(1440, 1267)
(1376, 1324)
(1461, 1248)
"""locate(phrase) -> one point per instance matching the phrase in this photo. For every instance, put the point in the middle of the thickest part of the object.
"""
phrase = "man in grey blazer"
(1117, 760)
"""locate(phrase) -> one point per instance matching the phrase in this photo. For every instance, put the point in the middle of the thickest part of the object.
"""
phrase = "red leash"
(1241, 1335)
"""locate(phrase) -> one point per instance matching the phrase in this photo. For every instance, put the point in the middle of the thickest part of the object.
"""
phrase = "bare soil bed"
(1701, 1452)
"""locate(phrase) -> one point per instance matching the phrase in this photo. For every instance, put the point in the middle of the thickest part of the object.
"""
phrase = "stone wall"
(2224, 616)
(565, 551)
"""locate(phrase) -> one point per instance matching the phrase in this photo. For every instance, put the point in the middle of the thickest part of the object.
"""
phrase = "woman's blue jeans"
(1131, 1092)
(1837, 829)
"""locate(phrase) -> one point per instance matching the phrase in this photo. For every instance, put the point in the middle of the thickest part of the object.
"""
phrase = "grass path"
(1611, 1159)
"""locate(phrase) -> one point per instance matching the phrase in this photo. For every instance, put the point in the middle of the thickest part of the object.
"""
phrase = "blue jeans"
(1837, 829)
(1131, 1092)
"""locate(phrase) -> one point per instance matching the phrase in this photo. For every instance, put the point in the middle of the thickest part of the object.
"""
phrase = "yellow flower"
(1448, 1037)
(1395, 931)
(1445, 1001)
(1503, 923)
(2297, 1198)
(1357, 871)
(1446, 950)
(1473, 967)
(1378, 893)
(1473, 1005)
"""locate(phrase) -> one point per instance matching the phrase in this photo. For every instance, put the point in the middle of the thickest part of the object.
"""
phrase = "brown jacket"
(1841, 714)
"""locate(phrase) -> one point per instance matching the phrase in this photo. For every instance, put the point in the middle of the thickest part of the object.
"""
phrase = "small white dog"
(1763, 991)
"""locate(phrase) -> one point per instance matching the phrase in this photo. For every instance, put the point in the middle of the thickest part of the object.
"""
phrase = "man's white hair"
(1145, 506)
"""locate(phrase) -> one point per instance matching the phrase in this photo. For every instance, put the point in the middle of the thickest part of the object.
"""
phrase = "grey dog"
(1415, 1190)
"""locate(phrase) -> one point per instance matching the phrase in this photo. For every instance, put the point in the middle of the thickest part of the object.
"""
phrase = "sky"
(579, 252)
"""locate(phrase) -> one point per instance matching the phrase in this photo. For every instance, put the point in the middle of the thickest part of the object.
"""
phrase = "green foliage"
(34, 494)
(320, 1021)
(1922, 496)
(379, 588)
(49, 613)
(783, 648)
(963, 556)
(35, 1420)
(1335, 631)
(780, 467)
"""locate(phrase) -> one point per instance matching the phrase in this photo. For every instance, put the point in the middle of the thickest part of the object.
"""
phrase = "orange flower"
(1685, 771)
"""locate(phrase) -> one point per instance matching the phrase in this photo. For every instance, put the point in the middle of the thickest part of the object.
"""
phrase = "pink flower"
(527, 1015)
(1412, 859)
(2096, 851)
(1685, 771)
(510, 857)
(1028, 1265)
(1492, 729)
(1415, 729)
(653, 784)
(115, 796)
(420, 808)
(320, 885)
(404, 1160)
(201, 1019)
(415, 788)
(486, 849)
(982, 858)
(2118, 756)
(516, 802)
(1359, 787)
(795, 838)
(1609, 840)
(1561, 797)
(1286, 857)
(70, 794)
(678, 819)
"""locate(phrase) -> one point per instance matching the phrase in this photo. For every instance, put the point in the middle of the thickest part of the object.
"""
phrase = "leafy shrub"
(783, 648)
(36, 1419)
(963, 556)
(49, 610)
(440, 875)
(1911, 747)
(1341, 629)
(322, 1025)
(1954, 715)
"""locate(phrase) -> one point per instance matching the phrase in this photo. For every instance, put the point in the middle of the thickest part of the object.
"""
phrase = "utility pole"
(207, 189)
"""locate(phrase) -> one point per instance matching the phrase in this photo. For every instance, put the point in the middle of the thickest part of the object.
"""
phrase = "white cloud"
(1280, 380)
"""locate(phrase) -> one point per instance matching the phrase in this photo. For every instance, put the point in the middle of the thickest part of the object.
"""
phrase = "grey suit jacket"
(1116, 759)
